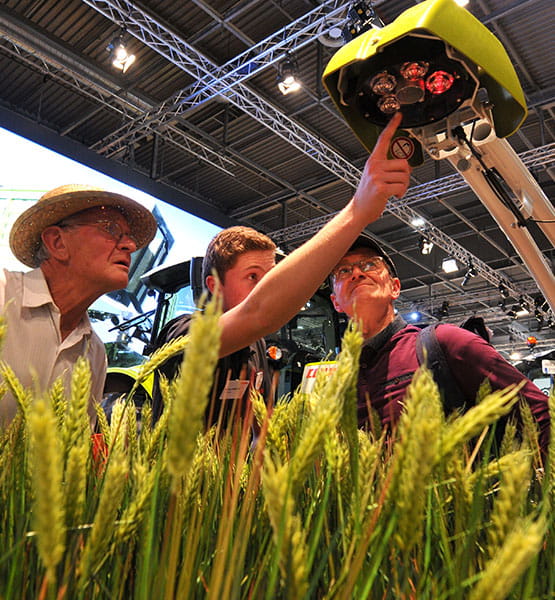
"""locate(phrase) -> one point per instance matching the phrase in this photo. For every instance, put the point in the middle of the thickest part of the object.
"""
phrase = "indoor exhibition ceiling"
(199, 122)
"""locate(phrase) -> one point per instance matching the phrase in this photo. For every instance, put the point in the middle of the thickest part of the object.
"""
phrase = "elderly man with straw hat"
(79, 241)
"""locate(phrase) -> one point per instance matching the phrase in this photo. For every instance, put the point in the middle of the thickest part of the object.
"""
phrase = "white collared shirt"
(33, 347)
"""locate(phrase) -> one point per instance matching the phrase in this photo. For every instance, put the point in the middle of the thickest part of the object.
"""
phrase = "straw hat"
(66, 200)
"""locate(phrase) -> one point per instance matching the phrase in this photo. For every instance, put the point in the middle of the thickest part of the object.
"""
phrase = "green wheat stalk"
(104, 525)
(76, 482)
(159, 357)
(155, 438)
(287, 531)
(12, 442)
(146, 424)
(497, 466)
(472, 422)
(143, 480)
(57, 396)
(510, 500)
(509, 442)
(76, 423)
(280, 427)
(132, 437)
(22, 396)
(118, 425)
(327, 410)
(192, 389)
(504, 569)
(102, 423)
(46, 471)
(529, 426)
(416, 454)
(369, 459)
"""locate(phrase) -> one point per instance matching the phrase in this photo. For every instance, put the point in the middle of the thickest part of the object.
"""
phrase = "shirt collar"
(35, 289)
(378, 341)
(36, 293)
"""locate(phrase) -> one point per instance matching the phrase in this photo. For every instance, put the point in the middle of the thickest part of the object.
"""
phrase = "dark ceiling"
(198, 122)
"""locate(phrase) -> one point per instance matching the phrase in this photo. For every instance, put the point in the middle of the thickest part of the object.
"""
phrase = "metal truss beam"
(32, 48)
(163, 40)
(210, 79)
(543, 156)
(401, 208)
(59, 63)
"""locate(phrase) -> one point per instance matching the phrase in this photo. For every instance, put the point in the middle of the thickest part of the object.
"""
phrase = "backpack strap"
(435, 360)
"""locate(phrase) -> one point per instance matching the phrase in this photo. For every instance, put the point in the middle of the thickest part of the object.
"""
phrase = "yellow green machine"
(430, 62)
(459, 95)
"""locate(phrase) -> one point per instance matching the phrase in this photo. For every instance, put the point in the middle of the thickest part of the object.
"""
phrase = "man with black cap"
(365, 287)
(259, 297)
(79, 241)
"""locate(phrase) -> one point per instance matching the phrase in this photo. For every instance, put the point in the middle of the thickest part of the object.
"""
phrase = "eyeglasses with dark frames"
(366, 266)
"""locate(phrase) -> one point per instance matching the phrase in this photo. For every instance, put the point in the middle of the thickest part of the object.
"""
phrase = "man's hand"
(382, 178)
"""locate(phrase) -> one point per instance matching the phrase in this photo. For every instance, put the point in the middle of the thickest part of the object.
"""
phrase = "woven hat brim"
(26, 232)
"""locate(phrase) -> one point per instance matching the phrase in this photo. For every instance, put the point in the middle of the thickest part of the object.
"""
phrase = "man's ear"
(54, 242)
(336, 304)
(395, 288)
(210, 283)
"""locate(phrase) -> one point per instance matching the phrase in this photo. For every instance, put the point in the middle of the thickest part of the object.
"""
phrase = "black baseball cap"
(363, 241)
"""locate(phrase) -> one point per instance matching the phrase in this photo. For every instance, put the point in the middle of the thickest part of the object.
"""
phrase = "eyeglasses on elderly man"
(112, 229)
(345, 270)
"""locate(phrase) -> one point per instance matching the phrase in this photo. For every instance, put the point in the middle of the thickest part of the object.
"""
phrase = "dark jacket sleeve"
(472, 360)
(172, 330)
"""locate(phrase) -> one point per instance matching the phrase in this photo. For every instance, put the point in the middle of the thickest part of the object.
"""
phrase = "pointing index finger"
(382, 145)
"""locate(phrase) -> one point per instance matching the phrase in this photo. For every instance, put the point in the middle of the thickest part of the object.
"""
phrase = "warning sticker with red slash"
(402, 147)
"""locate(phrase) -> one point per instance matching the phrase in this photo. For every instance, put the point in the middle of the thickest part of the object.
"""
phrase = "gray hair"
(41, 254)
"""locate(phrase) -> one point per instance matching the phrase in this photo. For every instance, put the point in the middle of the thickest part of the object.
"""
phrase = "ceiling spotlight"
(288, 79)
(517, 311)
(443, 310)
(418, 222)
(121, 59)
(425, 245)
(449, 265)
(503, 290)
(523, 308)
(512, 312)
(471, 272)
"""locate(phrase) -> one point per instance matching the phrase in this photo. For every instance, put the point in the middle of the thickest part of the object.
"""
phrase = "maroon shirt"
(388, 362)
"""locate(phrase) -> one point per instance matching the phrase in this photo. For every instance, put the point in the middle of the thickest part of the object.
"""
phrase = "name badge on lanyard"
(234, 388)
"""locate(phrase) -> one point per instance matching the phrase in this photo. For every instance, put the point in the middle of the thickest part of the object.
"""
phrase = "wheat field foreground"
(307, 507)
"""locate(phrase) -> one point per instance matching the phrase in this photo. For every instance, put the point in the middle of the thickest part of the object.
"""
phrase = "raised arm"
(287, 287)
